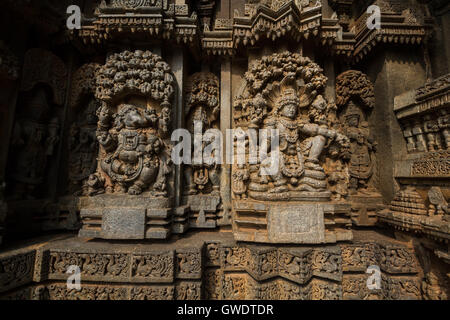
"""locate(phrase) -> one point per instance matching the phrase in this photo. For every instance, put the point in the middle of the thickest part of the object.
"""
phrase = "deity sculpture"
(202, 109)
(301, 145)
(362, 147)
(355, 100)
(134, 160)
(133, 123)
(83, 146)
(35, 136)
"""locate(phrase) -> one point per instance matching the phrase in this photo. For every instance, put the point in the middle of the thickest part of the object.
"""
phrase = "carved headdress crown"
(289, 96)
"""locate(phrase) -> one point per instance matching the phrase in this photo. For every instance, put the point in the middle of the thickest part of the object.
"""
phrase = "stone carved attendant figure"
(34, 140)
(361, 148)
(199, 175)
(202, 111)
(238, 185)
(83, 147)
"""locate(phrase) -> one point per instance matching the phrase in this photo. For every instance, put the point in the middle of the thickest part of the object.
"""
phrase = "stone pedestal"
(203, 211)
(293, 222)
(364, 209)
(126, 217)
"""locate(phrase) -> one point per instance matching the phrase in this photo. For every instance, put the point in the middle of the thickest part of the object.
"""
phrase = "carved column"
(9, 73)
(225, 124)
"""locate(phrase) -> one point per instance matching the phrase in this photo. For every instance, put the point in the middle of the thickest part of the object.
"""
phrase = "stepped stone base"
(297, 223)
(125, 217)
(208, 265)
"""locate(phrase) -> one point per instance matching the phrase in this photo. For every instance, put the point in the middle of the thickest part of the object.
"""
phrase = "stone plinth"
(126, 217)
(364, 209)
(209, 266)
(203, 211)
(293, 222)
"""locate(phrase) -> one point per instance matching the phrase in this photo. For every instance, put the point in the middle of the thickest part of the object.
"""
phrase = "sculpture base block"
(293, 222)
(291, 196)
(365, 208)
(203, 210)
(125, 217)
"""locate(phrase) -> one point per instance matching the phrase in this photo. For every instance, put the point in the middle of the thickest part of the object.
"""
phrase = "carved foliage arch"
(42, 66)
(202, 89)
(138, 72)
(270, 74)
(354, 84)
(84, 83)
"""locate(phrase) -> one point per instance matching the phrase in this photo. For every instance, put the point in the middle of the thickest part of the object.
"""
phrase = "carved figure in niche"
(283, 92)
(362, 147)
(355, 100)
(134, 160)
(83, 148)
(34, 139)
(337, 172)
(202, 108)
(83, 144)
(431, 129)
(136, 89)
(444, 124)
(301, 144)
(239, 187)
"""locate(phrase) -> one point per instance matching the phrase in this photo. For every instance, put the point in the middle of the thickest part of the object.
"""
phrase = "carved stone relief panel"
(283, 93)
(36, 132)
(133, 131)
(202, 178)
(83, 143)
(355, 102)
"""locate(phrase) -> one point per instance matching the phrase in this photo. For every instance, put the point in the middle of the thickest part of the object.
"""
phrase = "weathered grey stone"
(296, 223)
(123, 223)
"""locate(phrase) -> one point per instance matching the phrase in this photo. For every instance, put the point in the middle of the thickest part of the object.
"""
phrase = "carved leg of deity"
(188, 175)
(137, 188)
(279, 183)
(214, 177)
(161, 180)
(318, 143)
(120, 188)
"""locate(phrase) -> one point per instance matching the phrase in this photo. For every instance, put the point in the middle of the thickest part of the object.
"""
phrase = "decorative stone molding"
(151, 19)
(423, 116)
(212, 269)
(420, 210)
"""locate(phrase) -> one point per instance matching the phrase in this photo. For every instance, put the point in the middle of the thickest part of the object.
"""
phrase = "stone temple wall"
(338, 130)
